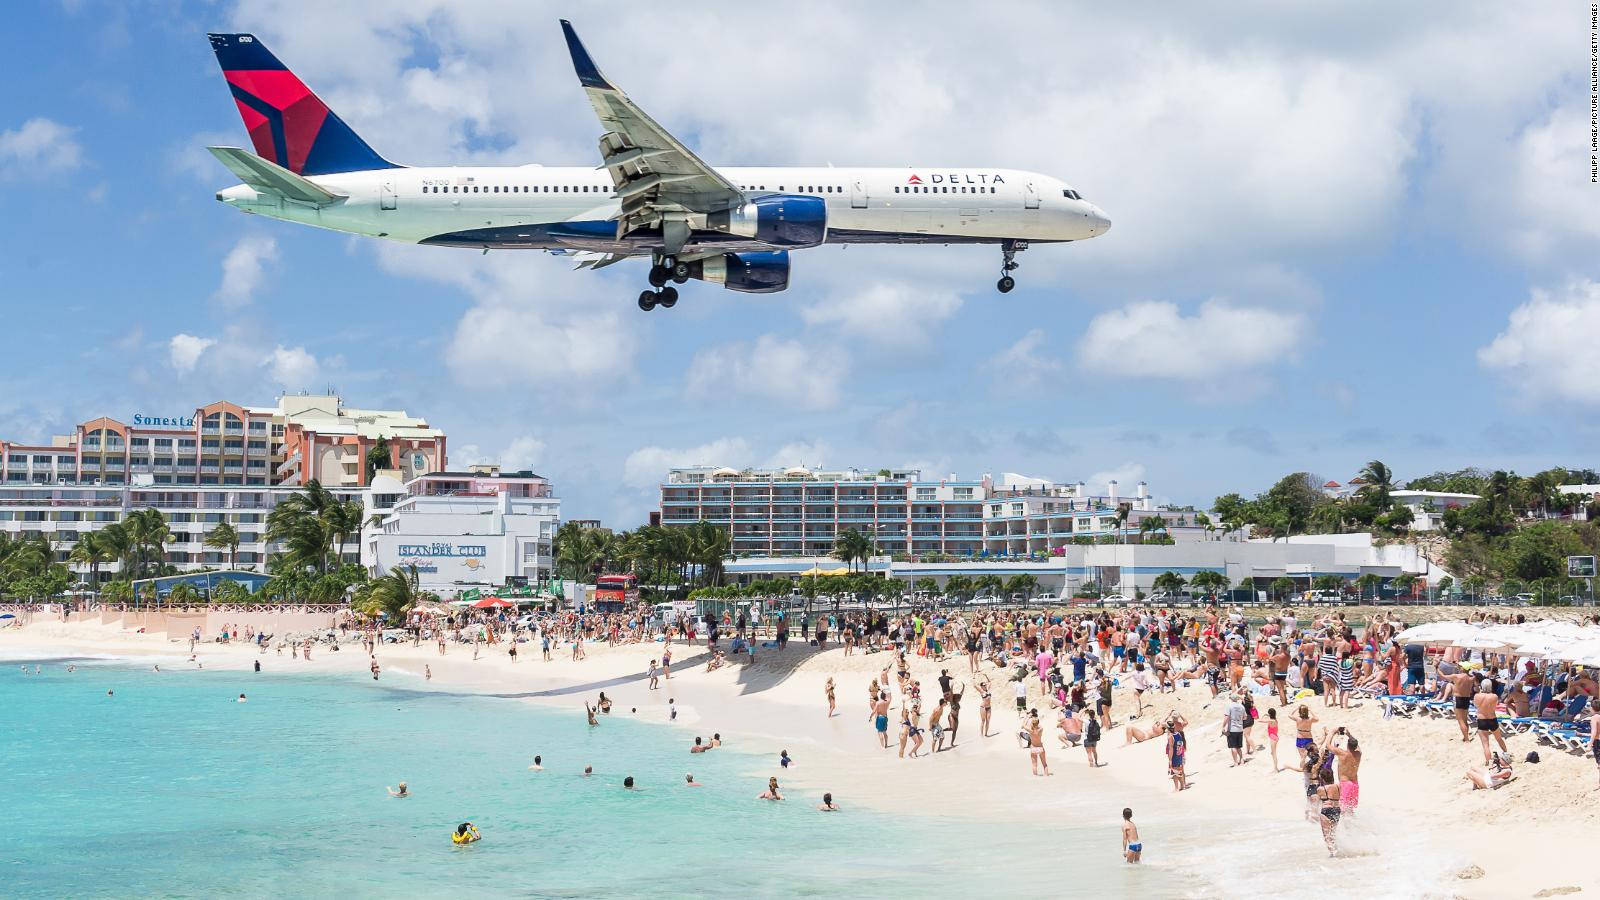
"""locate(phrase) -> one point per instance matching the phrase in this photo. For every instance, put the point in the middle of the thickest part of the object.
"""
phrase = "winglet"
(588, 72)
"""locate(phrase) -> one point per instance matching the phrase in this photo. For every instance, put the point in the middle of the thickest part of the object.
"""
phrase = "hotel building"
(303, 437)
(479, 528)
(797, 511)
(65, 513)
(1027, 517)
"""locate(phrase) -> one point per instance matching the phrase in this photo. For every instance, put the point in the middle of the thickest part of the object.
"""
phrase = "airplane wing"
(270, 178)
(660, 181)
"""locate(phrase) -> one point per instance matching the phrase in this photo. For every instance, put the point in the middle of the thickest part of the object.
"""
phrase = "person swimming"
(400, 791)
(688, 781)
(466, 833)
(627, 784)
(538, 764)
(771, 793)
(240, 700)
(827, 804)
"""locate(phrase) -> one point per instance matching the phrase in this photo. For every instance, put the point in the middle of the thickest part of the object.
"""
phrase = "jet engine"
(782, 220)
(759, 272)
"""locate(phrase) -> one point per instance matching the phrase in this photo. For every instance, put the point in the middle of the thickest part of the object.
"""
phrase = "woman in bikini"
(985, 707)
(1302, 732)
(1328, 816)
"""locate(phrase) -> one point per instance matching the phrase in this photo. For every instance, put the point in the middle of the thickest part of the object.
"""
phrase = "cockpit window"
(1071, 194)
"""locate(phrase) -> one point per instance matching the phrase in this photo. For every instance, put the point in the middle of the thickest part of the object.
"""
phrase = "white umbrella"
(1479, 641)
(1436, 633)
(1586, 652)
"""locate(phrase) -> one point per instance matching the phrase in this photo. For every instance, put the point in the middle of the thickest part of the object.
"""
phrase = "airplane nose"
(1099, 222)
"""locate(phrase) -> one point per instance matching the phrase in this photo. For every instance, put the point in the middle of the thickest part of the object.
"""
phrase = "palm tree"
(183, 594)
(394, 593)
(1121, 519)
(92, 550)
(1023, 584)
(852, 545)
(709, 545)
(148, 536)
(1281, 586)
(225, 536)
(343, 519)
(1151, 526)
(1204, 521)
(1169, 581)
(1370, 581)
(118, 546)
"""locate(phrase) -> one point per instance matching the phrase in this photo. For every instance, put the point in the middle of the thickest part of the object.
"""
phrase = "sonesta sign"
(165, 421)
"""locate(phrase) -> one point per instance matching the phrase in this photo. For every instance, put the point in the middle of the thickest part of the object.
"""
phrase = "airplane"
(651, 195)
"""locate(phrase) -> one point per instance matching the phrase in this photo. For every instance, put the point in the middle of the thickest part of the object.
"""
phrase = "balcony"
(210, 429)
(208, 469)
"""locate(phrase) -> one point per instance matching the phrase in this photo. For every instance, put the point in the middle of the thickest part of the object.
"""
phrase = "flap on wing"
(269, 177)
(656, 176)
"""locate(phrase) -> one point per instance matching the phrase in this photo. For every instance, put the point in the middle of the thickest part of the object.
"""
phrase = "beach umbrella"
(1436, 633)
(1479, 641)
(1586, 652)
(492, 603)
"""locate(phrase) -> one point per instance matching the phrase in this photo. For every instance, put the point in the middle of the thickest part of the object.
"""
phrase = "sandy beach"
(1237, 829)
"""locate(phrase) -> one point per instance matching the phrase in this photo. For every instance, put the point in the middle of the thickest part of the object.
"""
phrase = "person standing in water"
(401, 791)
(1132, 847)
(828, 689)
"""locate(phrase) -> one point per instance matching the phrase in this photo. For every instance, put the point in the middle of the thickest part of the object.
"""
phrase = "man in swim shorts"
(880, 718)
(1461, 693)
(1484, 703)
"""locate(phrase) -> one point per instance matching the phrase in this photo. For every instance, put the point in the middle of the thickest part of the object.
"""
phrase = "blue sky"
(1339, 234)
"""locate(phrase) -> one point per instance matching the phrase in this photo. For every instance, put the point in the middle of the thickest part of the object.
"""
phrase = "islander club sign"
(164, 421)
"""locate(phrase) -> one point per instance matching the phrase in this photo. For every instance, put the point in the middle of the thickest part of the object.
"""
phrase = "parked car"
(1116, 600)
(1046, 599)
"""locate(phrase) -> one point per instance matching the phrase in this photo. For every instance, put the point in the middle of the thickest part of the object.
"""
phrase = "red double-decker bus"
(616, 593)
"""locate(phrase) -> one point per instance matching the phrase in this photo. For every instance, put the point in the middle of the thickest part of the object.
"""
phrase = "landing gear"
(666, 298)
(664, 267)
(1008, 264)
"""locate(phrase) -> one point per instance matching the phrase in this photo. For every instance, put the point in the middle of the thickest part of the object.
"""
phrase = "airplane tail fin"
(288, 124)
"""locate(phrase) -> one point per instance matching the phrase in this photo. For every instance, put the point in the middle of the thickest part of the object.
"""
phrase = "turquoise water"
(170, 788)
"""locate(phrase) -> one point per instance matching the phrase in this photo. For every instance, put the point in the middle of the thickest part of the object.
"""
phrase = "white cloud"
(523, 452)
(1550, 188)
(293, 367)
(811, 454)
(244, 269)
(1022, 364)
(534, 321)
(900, 313)
(184, 350)
(1548, 346)
(787, 371)
(1155, 340)
(647, 466)
(1127, 476)
(39, 146)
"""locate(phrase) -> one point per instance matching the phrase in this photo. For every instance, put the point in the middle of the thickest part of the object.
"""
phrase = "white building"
(64, 513)
(1427, 507)
(1029, 516)
(1131, 568)
(476, 529)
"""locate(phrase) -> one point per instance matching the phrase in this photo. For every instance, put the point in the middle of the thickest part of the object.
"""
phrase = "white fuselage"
(547, 207)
